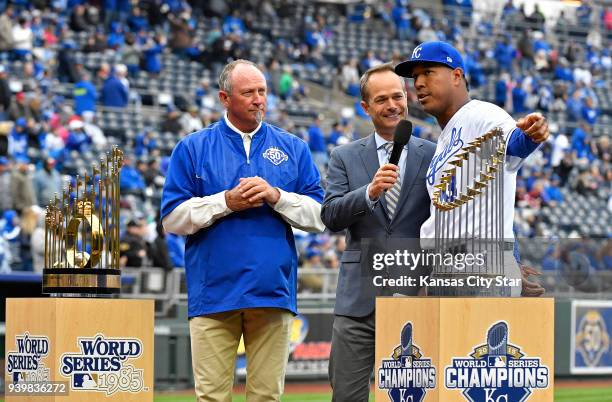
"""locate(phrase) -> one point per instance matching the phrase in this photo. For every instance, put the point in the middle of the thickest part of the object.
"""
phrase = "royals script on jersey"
(474, 119)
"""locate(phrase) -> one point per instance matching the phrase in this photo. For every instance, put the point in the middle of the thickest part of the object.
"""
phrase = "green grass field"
(561, 395)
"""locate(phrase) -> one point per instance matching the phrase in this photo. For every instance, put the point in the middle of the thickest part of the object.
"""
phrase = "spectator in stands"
(191, 120)
(78, 140)
(589, 112)
(368, 61)
(23, 39)
(565, 168)
(587, 182)
(537, 18)
(583, 13)
(519, 97)
(131, 181)
(335, 135)
(78, 20)
(66, 63)
(551, 196)
(234, 24)
(601, 148)
(203, 95)
(116, 37)
(504, 54)
(525, 48)
(316, 143)
(96, 43)
(152, 174)
(401, 18)
(21, 185)
(10, 233)
(6, 198)
(133, 248)
(144, 143)
(171, 122)
(151, 53)
(228, 206)
(285, 85)
(137, 21)
(580, 142)
(47, 182)
(563, 72)
(181, 33)
(131, 54)
(18, 139)
(157, 250)
(574, 107)
(583, 75)
(5, 94)
(501, 90)
(115, 92)
(85, 95)
(116, 10)
(6, 30)
(349, 77)
(19, 108)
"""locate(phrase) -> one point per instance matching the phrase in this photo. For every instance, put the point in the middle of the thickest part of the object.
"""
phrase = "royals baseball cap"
(431, 52)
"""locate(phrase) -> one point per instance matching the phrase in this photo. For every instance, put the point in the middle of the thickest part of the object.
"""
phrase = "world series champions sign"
(468, 350)
(83, 343)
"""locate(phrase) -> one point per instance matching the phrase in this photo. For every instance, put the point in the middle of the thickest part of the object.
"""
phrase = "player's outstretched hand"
(530, 289)
(535, 126)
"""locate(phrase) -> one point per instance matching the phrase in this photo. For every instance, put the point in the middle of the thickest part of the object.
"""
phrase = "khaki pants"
(214, 344)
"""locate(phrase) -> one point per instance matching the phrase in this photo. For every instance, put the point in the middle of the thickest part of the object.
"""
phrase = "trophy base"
(81, 282)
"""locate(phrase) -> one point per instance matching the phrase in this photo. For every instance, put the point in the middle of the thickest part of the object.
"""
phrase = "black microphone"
(401, 136)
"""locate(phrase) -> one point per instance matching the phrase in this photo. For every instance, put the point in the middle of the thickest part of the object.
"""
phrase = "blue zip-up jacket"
(246, 259)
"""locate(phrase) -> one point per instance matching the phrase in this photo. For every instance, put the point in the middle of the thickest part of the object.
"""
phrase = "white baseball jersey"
(474, 119)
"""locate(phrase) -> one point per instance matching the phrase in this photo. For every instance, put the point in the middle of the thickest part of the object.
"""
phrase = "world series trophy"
(82, 235)
(469, 216)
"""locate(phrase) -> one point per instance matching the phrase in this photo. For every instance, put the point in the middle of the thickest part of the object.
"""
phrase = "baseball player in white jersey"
(442, 89)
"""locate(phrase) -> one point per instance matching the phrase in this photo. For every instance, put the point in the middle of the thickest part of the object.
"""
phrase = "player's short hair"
(225, 82)
(365, 78)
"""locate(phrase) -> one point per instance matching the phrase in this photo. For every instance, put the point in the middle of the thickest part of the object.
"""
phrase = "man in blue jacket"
(115, 92)
(235, 189)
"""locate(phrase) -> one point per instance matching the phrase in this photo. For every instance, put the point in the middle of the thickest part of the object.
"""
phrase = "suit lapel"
(411, 170)
(369, 156)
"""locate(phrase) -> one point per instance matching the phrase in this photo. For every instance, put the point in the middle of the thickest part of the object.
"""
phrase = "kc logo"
(416, 53)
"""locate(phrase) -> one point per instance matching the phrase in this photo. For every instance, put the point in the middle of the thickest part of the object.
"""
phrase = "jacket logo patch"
(275, 155)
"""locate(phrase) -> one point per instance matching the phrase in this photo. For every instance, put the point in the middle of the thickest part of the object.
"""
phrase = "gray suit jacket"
(351, 169)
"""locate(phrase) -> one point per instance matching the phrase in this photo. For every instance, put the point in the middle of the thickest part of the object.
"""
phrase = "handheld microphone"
(401, 136)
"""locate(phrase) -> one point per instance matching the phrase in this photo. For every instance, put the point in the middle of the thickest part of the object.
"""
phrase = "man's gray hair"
(225, 82)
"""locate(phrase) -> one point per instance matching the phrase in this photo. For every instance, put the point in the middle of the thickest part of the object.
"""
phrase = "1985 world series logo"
(26, 363)
(102, 365)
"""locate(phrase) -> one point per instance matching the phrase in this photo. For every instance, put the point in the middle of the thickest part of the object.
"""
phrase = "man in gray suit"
(377, 203)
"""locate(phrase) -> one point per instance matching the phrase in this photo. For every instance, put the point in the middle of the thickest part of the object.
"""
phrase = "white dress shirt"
(383, 158)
